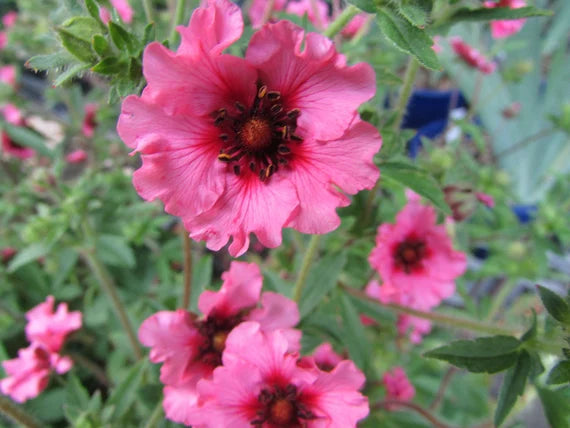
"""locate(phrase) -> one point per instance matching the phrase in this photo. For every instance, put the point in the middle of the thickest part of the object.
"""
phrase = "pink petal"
(315, 80)
(257, 10)
(180, 403)
(124, 10)
(302, 7)
(325, 355)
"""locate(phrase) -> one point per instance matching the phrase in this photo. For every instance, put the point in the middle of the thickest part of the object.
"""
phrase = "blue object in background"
(525, 213)
(428, 112)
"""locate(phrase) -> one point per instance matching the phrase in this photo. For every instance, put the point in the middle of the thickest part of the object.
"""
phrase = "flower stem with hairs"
(302, 278)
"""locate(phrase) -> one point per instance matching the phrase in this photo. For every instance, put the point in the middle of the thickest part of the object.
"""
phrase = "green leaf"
(77, 47)
(67, 260)
(48, 406)
(93, 10)
(111, 65)
(82, 27)
(149, 34)
(407, 37)
(28, 255)
(201, 278)
(416, 11)
(383, 75)
(51, 61)
(123, 39)
(559, 374)
(555, 305)
(76, 394)
(354, 336)
(27, 137)
(101, 46)
(115, 251)
(416, 179)
(513, 386)
(486, 354)
(70, 73)
(321, 280)
(365, 5)
(530, 334)
(135, 69)
(556, 404)
(125, 394)
(373, 310)
(488, 14)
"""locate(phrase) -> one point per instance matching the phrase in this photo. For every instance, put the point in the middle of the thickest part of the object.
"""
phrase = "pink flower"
(416, 259)
(416, 327)
(505, 28)
(261, 384)
(14, 117)
(398, 386)
(257, 11)
(123, 9)
(235, 146)
(7, 254)
(9, 20)
(436, 46)
(485, 199)
(104, 15)
(51, 328)
(472, 56)
(320, 19)
(3, 40)
(76, 156)
(355, 25)
(89, 122)
(28, 375)
(192, 347)
(325, 357)
(8, 75)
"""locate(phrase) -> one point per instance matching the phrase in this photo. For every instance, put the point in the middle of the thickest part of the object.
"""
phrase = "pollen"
(282, 412)
(256, 134)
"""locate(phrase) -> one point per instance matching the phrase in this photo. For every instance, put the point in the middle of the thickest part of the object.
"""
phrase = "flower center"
(282, 412)
(215, 331)
(409, 254)
(281, 408)
(257, 138)
(219, 341)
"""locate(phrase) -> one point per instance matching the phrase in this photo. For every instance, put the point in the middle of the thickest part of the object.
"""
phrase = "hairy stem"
(426, 414)
(302, 278)
(187, 248)
(340, 22)
(17, 414)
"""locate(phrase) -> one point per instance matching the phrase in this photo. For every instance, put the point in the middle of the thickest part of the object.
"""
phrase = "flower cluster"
(472, 56)
(250, 145)
(505, 28)
(28, 375)
(417, 262)
(201, 352)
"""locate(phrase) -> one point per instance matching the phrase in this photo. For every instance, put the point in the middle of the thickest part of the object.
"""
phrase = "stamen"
(276, 109)
(224, 157)
(236, 169)
(224, 137)
(283, 149)
(262, 91)
(239, 106)
(252, 166)
(293, 114)
(273, 95)
(295, 137)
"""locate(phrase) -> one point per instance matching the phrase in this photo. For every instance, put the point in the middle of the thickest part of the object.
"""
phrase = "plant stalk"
(177, 20)
(387, 404)
(302, 278)
(187, 249)
(148, 11)
(340, 22)
(17, 414)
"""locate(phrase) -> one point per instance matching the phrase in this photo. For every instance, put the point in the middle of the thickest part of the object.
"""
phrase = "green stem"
(17, 414)
(394, 404)
(177, 20)
(147, 6)
(187, 248)
(340, 22)
(302, 278)
(156, 416)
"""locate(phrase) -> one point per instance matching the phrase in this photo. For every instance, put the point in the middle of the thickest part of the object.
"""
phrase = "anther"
(270, 170)
(224, 137)
(273, 95)
(283, 149)
(252, 166)
(262, 91)
(295, 137)
(236, 169)
(284, 132)
(224, 157)
(239, 106)
(262, 174)
(276, 109)
(293, 114)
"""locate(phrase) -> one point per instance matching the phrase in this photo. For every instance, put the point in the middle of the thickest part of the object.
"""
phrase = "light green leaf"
(555, 305)
(51, 61)
(124, 395)
(115, 251)
(28, 255)
(416, 11)
(488, 14)
(354, 335)
(27, 137)
(69, 74)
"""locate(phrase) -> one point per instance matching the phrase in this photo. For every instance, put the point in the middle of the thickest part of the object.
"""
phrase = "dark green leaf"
(416, 11)
(48, 62)
(115, 251)
(555, 305)
(354, 337)
(556, 404)
(77, 47)
(125, 394)
(26, 137)
(373, 310)
(28, 255)
(513, 386)
(123, 39)
(101, 45)
(109, 66)
(149, 34)
(559, 374)
(486, 354)
(135, 69)
(48, 406)
(76, 393)
(407, 37)
(70, 73)
(201, 278)
(365, 5)
(321, 280)
(488, 14)
(416, 179)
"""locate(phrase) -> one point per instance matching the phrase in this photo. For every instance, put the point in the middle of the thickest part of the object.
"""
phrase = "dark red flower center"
(281, 407)
(258, 137)
(215, 331)
(409, 254)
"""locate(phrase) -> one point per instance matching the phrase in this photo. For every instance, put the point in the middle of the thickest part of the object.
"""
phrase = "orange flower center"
(282, 412)
(256, 134)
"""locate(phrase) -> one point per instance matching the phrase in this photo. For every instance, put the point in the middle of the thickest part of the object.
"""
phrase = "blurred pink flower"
(9, 20)
(28, 375)
(8, 75)
(3, 40)
(320, 20)
(76, 156)
(263, 144)
(124, 10)
(355, 25)
(7, 254)
(89, 123)
(325, 357)
(504, 28)
(257, 11)
(416, 327)
(436, 46)
(13, 116)
(51, 328)
(261, 384)
(104, 15)
(485, 199)
(472, 56)
(398, 386)
(416, 259)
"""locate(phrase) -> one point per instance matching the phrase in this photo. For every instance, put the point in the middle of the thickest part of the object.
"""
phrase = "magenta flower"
(485, 199)
(9, 20)
(3, 40)
(89, 123)
(472, 56)
(261, 385)
(505, 28)
(76, 156)
(104, 15)
(258, 8)
(51, 328)
(355, 25)
(7, 254)
(8, 75)
(398, 386)
(325, 357)
(416, 259)
(28, 375)
(320, 19)
(14, 117)
(237, 146)
(124, 10)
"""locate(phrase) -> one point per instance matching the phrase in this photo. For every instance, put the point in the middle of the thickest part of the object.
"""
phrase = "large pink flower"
(8, 75)
(472, 56)
(416, 259)
(28, 375)
(319, 17)
(13, 116)
(51, 328)
(505, 28)
(235, 146)
(261, 385)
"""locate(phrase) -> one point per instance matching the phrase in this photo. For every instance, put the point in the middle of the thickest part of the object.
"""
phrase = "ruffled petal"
(315, 80)
(180, 403)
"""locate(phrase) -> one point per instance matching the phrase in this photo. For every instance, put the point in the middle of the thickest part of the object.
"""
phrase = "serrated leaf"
(416, 179)
(559, 374)
(115, 251)
(407, 37)
(125, 394)
(51, 61)
(513, 386)
(416, 11)
(555, 305)
(77, 47)
(109, 66)
(69, 74)
(354, 337)
(27, 137)
(28, 255)
(321, 280)
(486, 354)
(488, 14)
